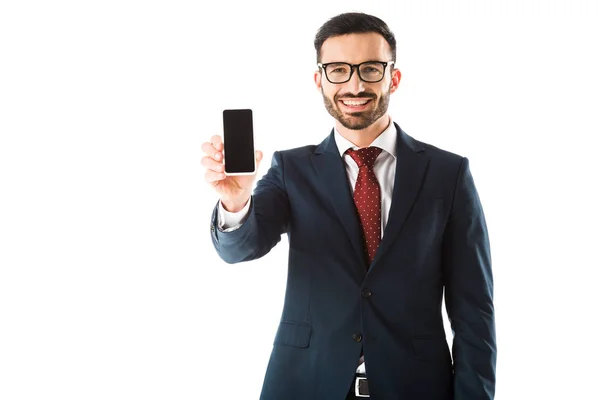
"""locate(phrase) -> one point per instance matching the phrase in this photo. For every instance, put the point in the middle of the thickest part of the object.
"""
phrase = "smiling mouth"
(355, 104)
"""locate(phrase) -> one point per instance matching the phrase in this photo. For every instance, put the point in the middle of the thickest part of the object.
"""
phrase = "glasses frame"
(384, 63)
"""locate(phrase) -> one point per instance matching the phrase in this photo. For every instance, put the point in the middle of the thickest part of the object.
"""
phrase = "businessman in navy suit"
(380, 227)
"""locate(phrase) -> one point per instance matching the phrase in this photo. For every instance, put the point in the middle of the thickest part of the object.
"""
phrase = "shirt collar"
(386, 140)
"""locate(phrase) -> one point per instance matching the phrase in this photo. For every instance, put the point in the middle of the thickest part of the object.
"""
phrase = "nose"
(355, 84)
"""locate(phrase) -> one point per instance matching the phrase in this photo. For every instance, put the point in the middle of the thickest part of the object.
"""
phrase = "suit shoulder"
(298, 152)
(445, 163)
(439, 154)
(292, 158)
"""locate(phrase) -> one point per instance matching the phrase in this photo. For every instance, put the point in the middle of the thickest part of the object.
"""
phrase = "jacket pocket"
(295, 334)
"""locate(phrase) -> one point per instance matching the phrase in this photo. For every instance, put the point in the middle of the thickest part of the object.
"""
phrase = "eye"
(337, 69)
(372, 68)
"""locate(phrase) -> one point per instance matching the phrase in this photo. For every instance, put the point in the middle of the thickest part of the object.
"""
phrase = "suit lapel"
(333, 180)
(411, 165)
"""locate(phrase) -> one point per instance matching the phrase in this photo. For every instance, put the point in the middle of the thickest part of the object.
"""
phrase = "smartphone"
(238, 142)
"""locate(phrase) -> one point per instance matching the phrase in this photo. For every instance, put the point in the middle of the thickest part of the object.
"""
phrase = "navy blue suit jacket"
(435, 239)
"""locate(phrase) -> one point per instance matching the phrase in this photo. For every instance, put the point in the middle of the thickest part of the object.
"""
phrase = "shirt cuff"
(230, 221)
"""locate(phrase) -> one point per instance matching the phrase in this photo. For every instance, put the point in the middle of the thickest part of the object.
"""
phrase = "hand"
(235, 191)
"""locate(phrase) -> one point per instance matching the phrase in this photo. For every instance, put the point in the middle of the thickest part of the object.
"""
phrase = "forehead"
(355, 48)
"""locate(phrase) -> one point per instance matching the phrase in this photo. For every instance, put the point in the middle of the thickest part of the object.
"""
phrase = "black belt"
(360, 387)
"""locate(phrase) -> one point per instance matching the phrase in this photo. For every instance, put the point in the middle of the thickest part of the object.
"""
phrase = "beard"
(360, 119)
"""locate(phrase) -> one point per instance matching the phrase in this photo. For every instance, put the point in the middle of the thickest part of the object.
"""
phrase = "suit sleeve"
(267, 220)
(469, 292)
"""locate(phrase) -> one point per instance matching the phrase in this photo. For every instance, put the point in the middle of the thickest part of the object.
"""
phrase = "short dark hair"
(354, 23)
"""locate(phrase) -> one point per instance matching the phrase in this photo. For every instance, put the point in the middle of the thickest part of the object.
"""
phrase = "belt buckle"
(357, 387)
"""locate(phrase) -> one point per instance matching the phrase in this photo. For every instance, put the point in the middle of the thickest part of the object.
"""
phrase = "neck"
(364, 137)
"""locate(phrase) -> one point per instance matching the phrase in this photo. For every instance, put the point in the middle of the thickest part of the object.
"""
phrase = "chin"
(356, 126)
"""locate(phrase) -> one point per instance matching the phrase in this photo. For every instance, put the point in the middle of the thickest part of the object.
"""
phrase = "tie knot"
(365, 156)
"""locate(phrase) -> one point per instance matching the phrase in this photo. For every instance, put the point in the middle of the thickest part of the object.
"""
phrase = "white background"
(109, 285)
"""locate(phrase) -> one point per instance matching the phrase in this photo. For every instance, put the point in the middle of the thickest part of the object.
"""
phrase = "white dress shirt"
(384, 169)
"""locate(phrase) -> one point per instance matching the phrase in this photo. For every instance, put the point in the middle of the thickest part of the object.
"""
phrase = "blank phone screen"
(238, 140)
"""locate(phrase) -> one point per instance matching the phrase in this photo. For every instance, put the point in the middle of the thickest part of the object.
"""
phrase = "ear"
(396, 75)
(318, 78)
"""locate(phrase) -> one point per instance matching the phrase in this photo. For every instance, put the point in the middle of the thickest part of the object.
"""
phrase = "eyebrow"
(348, 62)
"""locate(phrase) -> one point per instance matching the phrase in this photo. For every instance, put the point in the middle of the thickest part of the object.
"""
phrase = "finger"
(213, 177)
(217, 142)
(259, 157)
(210, 151)
(212, 164)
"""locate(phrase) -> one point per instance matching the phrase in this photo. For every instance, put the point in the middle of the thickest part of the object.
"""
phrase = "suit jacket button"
(357, 337)
(366, 293)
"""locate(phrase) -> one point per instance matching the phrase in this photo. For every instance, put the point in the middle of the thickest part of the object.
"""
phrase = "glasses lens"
(371, 72)
(338, 72)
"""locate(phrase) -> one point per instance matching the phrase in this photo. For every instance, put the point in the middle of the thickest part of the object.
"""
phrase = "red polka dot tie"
(367, 197)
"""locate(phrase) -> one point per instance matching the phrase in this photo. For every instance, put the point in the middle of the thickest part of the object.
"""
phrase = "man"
(379, 225)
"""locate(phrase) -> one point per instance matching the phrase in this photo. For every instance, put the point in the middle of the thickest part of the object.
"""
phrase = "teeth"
(354, 103)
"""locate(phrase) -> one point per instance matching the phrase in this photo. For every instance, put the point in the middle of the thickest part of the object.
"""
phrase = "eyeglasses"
(368, 71)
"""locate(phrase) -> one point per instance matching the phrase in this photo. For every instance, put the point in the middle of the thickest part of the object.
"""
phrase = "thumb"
(259, 157)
